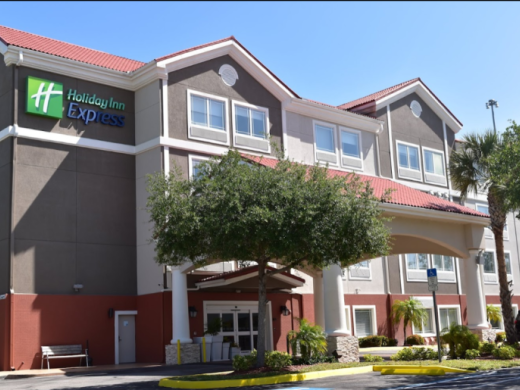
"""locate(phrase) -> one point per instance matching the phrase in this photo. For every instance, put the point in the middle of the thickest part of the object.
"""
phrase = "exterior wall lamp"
(193, 311)
(285, 311)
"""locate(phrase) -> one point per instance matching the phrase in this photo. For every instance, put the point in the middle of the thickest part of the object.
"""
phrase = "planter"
(225, 350)
(198, 340)
(216, 348)
(233, 352)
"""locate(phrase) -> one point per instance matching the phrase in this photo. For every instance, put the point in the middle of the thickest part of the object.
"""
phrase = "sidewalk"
(388, 351)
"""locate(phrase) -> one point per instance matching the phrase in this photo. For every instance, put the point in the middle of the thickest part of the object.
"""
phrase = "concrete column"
(334, 302)
(319, 304)
(180, 315)
(477, 318)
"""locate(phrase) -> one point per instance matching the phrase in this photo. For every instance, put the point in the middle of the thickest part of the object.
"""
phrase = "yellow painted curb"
(418, 370)
(271, 380)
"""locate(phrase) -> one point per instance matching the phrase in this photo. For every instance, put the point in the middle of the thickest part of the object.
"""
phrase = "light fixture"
(285, 311)
(193, 311)
(77, 287)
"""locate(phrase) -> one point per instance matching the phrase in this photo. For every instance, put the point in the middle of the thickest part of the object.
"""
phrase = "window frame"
(372, 308)
(411, 279)
(348, 314)
(265, 110)
(496, 266)
(427, 149)
(510, 262)
(349, 130)
(335, 139)
(459, 317)
(191, 92)
(350, 277)
(418, 147)
(192, 157)
(488, 233)
(432, 321)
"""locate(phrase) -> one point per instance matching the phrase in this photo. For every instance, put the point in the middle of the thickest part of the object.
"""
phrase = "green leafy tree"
(475, 168)
(494, 313)
(410, 311)
(311, 339)
(294, 215)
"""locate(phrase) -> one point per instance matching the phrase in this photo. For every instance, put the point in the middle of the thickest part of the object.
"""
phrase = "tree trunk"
(498, 218)
(405, 325)
(262, 303)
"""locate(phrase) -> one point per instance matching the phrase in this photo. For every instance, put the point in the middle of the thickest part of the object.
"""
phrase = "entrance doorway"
(239, 323)
(124, 325)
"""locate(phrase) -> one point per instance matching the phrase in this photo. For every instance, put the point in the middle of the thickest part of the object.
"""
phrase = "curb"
(272, 380)
(418, 370)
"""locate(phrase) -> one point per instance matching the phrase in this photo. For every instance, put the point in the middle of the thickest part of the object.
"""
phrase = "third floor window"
(434, 162)
(208, 112)
(408, 157)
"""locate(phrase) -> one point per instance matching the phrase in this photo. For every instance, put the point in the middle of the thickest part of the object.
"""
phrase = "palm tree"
(470, 169)
(310, 338)
(493, 313)
(410, 311)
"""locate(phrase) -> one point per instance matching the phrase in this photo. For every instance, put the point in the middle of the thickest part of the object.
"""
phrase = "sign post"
(434, 286)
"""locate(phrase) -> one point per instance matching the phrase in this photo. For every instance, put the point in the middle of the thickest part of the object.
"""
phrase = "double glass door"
(239, 325)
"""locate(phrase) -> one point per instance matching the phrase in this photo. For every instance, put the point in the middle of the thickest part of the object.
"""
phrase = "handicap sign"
(432, 272)
(432, 279)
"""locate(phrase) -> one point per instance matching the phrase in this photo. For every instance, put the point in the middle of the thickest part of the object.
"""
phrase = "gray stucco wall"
(77, 127)
(5, 212)
(204, 78)
(376, 284)
(148, 113)
(6, 94)
(393, 275)
(74, 218)
(384, 145)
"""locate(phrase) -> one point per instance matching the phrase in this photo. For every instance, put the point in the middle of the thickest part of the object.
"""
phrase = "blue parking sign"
(432, 272)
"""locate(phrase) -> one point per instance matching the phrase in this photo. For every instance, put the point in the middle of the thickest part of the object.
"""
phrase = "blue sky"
(466, 52)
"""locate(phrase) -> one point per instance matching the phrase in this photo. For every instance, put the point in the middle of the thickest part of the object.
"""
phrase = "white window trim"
(496, 267)
(432, 319)
(506, 231)
(360, 143)
(488, 233)
(349, 318)
(431, 264)
(192, 157)
(501, 329)
(334, 133)
(409, 169)
(374, 319)
(357, 278)
(459, 318)
(424, 149)
(510, 261)
(425, 280)
(226, 119)
(267, 125)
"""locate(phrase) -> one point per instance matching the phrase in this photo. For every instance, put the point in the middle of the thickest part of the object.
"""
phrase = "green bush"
(505, 352)
(392, 342)
(501, 337)
(486, 349)
(421, 353)
(415, 339)
(405, 354)
(373, 341)
(244, 362)
(471, 354)
(277, 360)
(460, 339)
(296, 361)
(372, 358)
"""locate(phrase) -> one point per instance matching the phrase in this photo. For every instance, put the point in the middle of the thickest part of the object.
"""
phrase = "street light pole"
(492, 103)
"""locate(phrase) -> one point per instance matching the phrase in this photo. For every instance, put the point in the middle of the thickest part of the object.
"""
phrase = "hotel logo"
(44, 97)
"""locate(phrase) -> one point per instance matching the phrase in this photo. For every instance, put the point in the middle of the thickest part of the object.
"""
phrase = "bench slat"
(62, 349)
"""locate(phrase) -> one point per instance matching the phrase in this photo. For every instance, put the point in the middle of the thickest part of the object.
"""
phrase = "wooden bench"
(63, 351)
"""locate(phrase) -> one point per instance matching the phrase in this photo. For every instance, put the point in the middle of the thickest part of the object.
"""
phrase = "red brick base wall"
(4, 333)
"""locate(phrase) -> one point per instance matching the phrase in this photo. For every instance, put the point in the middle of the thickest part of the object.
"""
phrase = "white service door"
(126, 339)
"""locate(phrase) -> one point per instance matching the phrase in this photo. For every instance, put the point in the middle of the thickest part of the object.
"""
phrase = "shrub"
(313, 360)
(501, 337)
(415, 340)
(244, 362)
(486, 348)
(372, 358)
(505, 352)
(310, 339)
(471, 354)
(460, 339)
(277, 360)
(392, 342)
(405, 354)
(373, 341)
(421, 353)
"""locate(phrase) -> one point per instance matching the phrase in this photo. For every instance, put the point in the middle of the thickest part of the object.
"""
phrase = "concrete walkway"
(388, 351)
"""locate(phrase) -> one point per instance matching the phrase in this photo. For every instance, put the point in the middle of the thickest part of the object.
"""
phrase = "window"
(324, 138)
(489, 263)
(427, 324)
(350, 145)
(417, 261)
(443, 263)
(364, 319)
(208, 112)
(408, 156)
(499, 325)
(250, 121)
(508, 263)
(448, 316)
(194, 162)
(485, 209)
(434, 162)
(360, 271)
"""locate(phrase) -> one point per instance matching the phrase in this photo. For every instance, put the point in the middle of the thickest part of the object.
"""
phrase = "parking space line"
(440, 381)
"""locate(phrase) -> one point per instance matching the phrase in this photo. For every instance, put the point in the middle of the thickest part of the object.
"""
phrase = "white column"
(477, 318)
(334, 302)
(319, 311)
(180, 315)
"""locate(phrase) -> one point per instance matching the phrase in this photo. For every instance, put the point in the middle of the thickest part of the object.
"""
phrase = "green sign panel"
(44, 97)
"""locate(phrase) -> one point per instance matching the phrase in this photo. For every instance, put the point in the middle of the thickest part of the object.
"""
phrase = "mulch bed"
(261, 370)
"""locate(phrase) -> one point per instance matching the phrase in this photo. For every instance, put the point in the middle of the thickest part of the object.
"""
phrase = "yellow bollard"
(178, 351)
(204, 349)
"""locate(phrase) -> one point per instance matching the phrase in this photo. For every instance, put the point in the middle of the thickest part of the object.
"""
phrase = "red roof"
(401, 195)
(26, 40)
(385, 92)
(245, 271)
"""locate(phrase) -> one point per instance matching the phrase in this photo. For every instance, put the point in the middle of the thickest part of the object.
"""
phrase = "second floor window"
(251, 122)
(443, 263)
(325, 139)
(408, 157)
(207, 112)
(417, 261)
(434, 162)
(507, 257)
(489, 263)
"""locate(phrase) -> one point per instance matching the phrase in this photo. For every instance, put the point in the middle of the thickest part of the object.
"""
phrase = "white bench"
(63, 351)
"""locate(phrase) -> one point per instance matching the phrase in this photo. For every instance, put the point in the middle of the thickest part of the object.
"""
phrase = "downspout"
(447, 158)
(378, 156)
(390, 140)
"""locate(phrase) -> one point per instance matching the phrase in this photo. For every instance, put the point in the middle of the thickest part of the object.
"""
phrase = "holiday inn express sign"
(45, 98)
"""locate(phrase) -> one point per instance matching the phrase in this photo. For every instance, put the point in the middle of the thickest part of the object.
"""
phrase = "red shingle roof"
(245, 271)
(50, 46)
(401, 195)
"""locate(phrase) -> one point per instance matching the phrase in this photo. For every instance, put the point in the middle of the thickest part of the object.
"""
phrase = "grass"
(480, 365)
